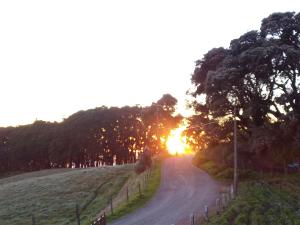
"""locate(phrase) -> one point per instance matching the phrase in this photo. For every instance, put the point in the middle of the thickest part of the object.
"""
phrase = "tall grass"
(260, 203)
(263, 199)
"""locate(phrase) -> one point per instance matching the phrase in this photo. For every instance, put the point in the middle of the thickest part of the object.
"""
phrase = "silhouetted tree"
(258, 74)
(87, 138)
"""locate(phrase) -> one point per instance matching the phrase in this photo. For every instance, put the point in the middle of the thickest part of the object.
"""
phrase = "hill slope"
(52, 194)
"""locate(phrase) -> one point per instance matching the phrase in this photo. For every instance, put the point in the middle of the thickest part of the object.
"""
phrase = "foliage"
(261, 203)
(88, 138)
(222, 171)
(144, 162)
(259, 76)
(259, 72)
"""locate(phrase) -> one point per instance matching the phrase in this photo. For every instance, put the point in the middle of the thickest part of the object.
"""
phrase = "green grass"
(261, 203)
(225, 173)
(53, 194)
(263, 199)
(138, 201)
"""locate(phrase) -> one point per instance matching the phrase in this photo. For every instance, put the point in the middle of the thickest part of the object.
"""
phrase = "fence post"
(127, 194)
(77, 214)
(223, 200)
(218, 206)
(232, 192)
(104, 218)
(140, 192)
(206, 213)
(111, 205)
(192, 219)
(33, 219)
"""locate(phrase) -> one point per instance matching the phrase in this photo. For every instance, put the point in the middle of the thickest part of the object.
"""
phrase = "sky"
(61, 56)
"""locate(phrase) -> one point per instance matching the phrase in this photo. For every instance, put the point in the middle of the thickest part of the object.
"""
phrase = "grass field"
(263, 199)
(264, 203)
(52, 195)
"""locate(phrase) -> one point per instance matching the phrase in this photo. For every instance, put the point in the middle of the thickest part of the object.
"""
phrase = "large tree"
(259, 75)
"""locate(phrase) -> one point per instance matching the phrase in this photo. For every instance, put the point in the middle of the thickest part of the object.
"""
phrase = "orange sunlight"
(176, 143)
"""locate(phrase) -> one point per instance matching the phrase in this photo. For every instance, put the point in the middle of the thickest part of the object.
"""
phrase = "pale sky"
(61, 56)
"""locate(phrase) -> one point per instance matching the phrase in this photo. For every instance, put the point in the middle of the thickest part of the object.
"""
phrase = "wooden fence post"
(227, 198)
(218, 206)
(111, 205)
(127, 194)
(103, 219)
(192, 219)
(206, 213)
(140, 192)
(33, 219)
(77, 214)
(223, 200)
(232, 192)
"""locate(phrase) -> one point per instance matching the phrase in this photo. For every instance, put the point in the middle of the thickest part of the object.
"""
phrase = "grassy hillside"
(262, 199)
(52, 194)
(264, 202)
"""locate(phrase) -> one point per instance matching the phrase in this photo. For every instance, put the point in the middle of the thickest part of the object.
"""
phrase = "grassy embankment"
(262, 199)
(136, 200)
(52, 195)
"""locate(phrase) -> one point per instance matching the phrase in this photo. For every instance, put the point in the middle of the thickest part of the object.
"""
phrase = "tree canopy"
(258, 74)
(88, 138)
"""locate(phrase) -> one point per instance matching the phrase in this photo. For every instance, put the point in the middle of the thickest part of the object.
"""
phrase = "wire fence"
(133, 188)
(202, 217)
(136, 190)
(194, 218)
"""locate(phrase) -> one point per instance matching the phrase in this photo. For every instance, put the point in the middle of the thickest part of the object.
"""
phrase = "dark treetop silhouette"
(87, 138)
(259, 73)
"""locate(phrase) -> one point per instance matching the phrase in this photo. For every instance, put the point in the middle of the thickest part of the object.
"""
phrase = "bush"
(144, 162)
(199, 159)
(259, 203)
(226, 173)
(139, 167)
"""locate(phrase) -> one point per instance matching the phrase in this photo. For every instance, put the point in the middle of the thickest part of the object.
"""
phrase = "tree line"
(258, 77)
(90, 138)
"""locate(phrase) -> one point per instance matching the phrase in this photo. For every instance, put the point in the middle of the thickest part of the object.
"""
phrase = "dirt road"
(184, 189)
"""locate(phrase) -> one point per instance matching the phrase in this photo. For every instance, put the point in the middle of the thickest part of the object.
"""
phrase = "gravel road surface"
(184, 189)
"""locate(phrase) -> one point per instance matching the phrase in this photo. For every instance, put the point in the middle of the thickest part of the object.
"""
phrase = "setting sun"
(176, 142)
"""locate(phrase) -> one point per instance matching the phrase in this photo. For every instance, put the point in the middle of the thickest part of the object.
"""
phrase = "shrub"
(144, 162)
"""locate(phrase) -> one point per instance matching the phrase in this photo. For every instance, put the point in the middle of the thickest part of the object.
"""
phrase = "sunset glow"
(176, 142)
